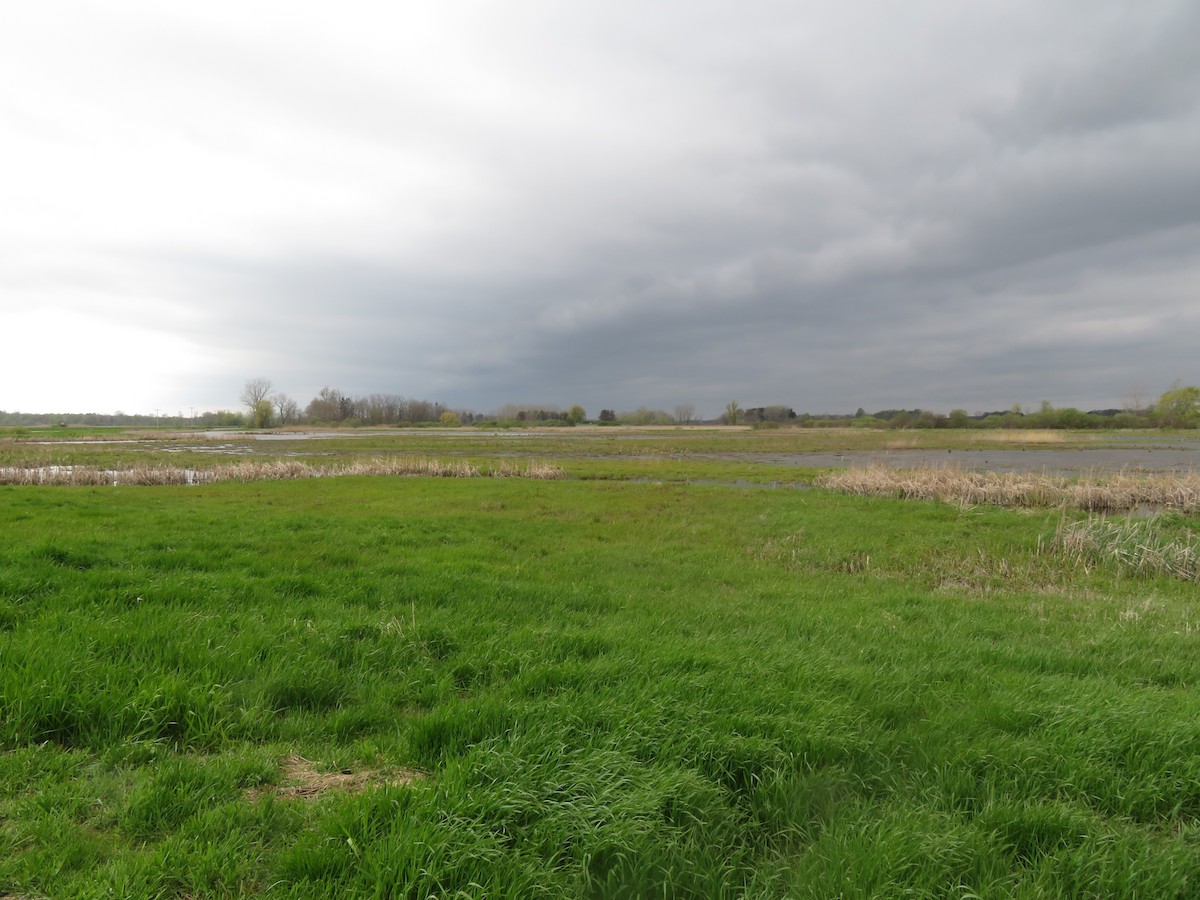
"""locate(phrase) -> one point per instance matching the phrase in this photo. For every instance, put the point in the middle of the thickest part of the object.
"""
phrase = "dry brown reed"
(1023, 436)
(409, 465)
(73, 475)
(270, 470)
(267, 470)
(531, 469)
(1095, 493)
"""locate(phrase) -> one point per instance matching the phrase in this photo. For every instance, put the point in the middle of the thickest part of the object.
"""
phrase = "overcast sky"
(821, 203)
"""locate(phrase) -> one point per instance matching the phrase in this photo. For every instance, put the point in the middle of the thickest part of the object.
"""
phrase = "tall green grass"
(610, 690)
(1148, 546)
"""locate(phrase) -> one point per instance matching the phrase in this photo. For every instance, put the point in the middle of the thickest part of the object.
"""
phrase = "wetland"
(619, 681)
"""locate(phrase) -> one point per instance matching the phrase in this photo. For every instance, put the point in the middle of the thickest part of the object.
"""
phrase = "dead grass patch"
(1014, 489)
(302, 780)
(531, 469)
(270, 470)
(1025, 436)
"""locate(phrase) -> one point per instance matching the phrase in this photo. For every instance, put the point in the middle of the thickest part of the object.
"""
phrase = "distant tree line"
(1172, 414)
(333, 407)
(264, 407)
(1178, 407)
(209, 419)
(1068, 417)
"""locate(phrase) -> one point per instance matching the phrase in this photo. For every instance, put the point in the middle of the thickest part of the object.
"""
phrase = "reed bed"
(1134, 546)
(1110, 493)
(271, 470)
(408, 465)
(1025, 436)
(530, 469)
(87, 476)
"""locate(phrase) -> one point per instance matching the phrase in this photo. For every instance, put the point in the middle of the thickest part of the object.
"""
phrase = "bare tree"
(384, 408)
(256, 396)
(1135, 400)
(256, 390)
(287, 410)
(684, 413)
(324, 407)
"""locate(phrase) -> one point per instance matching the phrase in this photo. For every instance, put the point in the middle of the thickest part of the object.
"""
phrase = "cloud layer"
(826, 205)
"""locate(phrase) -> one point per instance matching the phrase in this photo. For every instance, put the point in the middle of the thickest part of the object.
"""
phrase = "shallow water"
(1144, 454)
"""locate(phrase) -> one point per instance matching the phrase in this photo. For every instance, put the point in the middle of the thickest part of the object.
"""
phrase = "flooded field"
(1129, 454)
(695, 454)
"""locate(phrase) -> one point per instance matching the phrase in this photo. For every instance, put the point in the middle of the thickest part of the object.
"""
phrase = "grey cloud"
(1144, 70)
(827, 206)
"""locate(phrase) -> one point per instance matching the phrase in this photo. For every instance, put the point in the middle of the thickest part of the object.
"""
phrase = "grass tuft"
(1136, 546)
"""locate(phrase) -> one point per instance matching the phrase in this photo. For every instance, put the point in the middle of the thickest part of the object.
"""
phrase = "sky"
(825, 204)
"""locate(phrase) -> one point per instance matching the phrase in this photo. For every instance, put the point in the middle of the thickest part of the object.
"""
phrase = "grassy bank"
(420, 687)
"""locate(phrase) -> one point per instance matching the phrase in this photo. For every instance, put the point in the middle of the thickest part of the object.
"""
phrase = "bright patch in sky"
(102, 365)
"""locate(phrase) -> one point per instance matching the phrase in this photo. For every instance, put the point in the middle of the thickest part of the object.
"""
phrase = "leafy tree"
(262, 415)
(608, 415)
(645, 416)
(449, 418)
(1179, 407)
(576, 414)
(1070, 417)
(731, 413)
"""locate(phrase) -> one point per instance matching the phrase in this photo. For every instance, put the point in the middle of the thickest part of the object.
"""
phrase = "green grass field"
(583, 688)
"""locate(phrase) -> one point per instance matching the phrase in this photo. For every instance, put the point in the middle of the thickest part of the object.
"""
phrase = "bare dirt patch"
(302, 780)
